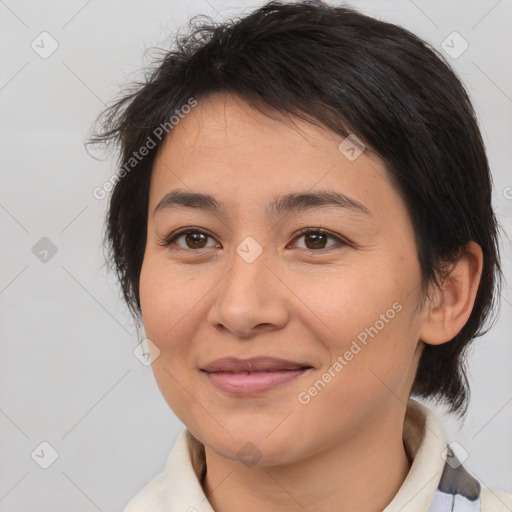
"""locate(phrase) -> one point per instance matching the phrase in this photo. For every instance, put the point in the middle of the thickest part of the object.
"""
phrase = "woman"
(302, 220)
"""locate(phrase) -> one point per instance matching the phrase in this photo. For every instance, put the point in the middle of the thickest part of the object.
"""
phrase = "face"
(244, 281)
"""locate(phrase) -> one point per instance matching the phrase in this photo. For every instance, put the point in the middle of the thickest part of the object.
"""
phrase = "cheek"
(166, 297)
(151, 299)
(369, 323)
(165, 315)
(377, 358)
(344, 300)
(173, 307)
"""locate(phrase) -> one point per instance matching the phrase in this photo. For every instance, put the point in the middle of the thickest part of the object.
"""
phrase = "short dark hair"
(340, 69)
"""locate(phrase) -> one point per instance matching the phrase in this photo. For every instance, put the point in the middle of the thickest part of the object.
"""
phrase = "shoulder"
(493, 500)
(178, 487)
(148, 498)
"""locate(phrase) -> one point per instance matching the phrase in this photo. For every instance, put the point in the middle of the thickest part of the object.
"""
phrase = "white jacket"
(433, 484)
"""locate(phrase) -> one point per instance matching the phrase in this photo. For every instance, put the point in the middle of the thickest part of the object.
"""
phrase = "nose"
(250, 298)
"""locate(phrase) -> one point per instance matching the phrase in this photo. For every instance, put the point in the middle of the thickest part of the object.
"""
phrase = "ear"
(450, 308)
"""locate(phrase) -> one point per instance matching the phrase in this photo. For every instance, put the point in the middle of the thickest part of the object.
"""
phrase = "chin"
(254, 446)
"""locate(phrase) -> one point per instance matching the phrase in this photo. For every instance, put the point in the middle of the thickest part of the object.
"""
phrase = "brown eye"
(316, 239)
(193, 239)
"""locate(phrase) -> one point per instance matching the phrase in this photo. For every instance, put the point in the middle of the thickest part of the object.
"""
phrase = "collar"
(178, 487)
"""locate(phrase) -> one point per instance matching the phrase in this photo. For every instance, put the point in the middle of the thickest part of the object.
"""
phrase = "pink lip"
(254, 382)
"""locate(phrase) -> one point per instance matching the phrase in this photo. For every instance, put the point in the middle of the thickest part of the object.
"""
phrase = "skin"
(299, 300)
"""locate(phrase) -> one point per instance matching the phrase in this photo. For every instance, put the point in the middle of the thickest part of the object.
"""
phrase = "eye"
(315, 239)
(194, 239)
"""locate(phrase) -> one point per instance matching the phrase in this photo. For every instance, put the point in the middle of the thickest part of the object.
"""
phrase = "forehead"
(225, 121)
(227, 148)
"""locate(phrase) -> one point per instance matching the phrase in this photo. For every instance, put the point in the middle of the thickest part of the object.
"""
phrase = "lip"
(253, 364)
(252, 376)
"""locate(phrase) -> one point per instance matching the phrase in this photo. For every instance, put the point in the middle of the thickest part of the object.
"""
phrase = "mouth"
(252, 376)
(253, 365)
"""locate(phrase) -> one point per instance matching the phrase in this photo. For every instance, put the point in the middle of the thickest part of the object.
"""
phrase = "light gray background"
(68, 375)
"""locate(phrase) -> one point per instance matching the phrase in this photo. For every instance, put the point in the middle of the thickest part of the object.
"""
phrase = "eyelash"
(184, 231)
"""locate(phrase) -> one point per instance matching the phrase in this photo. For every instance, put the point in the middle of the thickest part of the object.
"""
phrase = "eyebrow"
(292, 202)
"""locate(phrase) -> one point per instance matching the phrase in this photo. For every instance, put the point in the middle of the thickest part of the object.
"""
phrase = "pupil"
(317, 236)
(190, 238)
